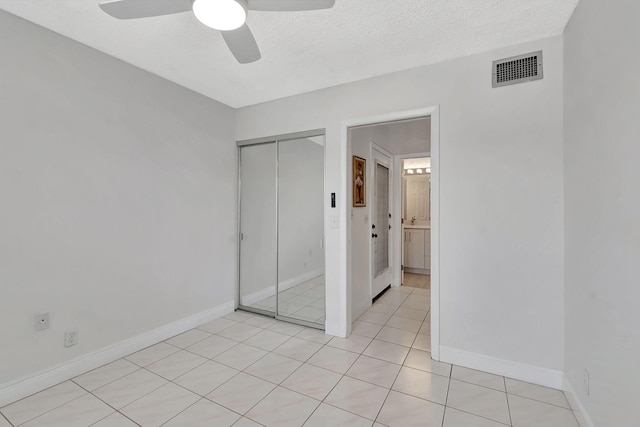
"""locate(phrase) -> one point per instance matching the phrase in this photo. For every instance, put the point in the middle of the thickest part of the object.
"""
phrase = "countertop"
(419, 227)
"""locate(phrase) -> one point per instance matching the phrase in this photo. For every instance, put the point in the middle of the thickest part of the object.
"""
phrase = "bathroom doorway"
(416, 221)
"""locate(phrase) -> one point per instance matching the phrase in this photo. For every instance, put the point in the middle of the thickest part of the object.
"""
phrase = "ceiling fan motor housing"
(223, 15)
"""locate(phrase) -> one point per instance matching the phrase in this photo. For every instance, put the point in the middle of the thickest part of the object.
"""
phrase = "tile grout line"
(185, 332)
(504, 380)
(33, 394)
(276, 385)
(5, 418)
(397, 375)
(336, 384)
(168, 381)
(446, 400)
(106, 384)
(185, 409)
(53, 409)
(258, 402)
(107, 403)
(201, 397)
(538, 400)
(480, 416)
(162, 358)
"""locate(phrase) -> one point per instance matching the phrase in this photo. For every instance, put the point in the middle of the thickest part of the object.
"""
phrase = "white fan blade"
(289, 5)
(242, 44)
(131, 9)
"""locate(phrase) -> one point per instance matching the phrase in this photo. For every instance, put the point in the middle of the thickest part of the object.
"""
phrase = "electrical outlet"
(42, 321)
(585, 383)
(71, 337)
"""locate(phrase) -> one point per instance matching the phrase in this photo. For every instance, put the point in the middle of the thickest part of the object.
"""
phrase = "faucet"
(413, 220)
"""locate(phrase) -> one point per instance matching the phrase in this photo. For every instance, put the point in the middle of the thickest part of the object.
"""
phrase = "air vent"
(517, 69)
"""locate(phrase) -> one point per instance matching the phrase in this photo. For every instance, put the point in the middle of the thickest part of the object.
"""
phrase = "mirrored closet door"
(281, 233)
(258, 234)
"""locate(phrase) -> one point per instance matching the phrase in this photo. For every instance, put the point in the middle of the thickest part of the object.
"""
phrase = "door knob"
(374, 236)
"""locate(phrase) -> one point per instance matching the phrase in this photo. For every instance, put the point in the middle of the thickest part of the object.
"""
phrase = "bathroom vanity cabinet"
(417, 248)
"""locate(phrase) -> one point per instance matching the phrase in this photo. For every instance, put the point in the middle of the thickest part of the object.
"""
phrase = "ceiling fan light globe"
(223, 15)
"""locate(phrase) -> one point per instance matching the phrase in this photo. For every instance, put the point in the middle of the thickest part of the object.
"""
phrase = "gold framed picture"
(359, 182)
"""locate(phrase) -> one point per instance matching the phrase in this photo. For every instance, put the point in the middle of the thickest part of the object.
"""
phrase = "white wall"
(360, 228)
(112, 182)
(602, 220)
(501, 198)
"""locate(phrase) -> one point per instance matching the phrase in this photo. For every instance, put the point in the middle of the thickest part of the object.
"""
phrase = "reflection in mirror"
(301, 282)
(258, 241)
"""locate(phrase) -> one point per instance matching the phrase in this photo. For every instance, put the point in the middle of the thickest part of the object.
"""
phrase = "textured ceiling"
(303, 51)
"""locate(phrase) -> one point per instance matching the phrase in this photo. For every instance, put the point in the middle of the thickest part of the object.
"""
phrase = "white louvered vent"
(517, 69)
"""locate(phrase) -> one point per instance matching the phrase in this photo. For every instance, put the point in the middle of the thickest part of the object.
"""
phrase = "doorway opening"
(375, 229)
(355, 283)
(416, 221)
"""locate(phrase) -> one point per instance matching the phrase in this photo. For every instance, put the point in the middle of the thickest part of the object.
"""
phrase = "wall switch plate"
(71, 337)
(42, 321)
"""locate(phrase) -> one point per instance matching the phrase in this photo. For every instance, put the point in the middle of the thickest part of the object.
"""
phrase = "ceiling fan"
(228, 16)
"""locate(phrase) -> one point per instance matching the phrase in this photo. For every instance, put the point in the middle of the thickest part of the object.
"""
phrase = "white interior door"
(418, 198)
(381, 224)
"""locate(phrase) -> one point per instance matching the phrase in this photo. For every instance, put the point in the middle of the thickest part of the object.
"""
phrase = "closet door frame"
(273, 140)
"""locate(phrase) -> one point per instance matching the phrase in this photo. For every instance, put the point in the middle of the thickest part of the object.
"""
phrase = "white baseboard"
(507, 368)
(27, 386)
(283, 286)
(578, 408)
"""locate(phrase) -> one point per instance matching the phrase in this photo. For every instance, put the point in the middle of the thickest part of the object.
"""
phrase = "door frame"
(372, 179)
(345, 232)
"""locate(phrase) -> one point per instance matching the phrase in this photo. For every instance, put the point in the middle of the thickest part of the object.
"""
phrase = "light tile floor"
(413, 280)
(245, 370)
